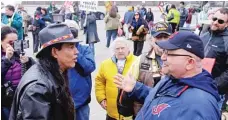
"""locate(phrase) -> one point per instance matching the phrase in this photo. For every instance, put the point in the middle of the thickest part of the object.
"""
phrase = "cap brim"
(64, 41)
(165, 44)
(157, 33)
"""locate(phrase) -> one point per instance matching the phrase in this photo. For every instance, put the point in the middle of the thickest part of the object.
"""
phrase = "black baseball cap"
(184, 40)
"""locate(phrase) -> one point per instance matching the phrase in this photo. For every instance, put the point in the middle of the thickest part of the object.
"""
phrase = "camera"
(18, 45)
(9, 92)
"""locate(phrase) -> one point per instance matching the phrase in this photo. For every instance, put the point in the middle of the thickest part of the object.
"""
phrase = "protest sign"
(88, 5)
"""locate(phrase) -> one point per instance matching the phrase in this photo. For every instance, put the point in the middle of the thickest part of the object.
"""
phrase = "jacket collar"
(171, 88)
(48, 75)
(151, 54)
(220, 32)
(114, 59)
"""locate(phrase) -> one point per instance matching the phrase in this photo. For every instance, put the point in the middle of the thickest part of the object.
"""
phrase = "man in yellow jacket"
(105, 89)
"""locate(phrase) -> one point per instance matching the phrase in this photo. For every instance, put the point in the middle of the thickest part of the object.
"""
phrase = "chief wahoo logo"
(156, 110)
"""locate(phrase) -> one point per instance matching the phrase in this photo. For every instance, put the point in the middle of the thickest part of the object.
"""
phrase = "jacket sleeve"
(188, 18)
(17, 22)
(46, 18)
(5, 65)
(100, 85)
(85, 62)
(222, 82)
(139, 92)
(146, 17)
(36, 103)
(106, 18)
(42, 22)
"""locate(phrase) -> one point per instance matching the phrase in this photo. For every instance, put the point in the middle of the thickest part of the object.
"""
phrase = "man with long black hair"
(43, 92)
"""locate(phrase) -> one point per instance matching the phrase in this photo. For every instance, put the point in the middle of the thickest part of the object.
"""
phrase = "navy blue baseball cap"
(184, 40)
(161, 27)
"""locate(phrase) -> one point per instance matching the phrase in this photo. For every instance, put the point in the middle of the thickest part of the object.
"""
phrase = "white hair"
(119, 40)
(71, 23)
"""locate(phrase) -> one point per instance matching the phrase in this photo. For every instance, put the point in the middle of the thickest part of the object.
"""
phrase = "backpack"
(148, 69)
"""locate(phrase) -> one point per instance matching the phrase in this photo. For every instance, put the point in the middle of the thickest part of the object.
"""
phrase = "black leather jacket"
(36, 97)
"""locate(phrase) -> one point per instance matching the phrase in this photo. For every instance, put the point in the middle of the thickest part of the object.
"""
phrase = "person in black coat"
(150, 18)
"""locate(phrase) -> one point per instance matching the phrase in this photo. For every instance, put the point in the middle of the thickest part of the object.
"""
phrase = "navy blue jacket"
(80, 76)
(194, 98)
(216, 46)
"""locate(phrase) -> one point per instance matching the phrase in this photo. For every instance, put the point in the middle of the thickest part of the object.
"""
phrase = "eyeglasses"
(220, 21)
(136, 14)
(165, 52)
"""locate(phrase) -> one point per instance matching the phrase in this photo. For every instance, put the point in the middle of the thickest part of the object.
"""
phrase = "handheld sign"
(88, 6)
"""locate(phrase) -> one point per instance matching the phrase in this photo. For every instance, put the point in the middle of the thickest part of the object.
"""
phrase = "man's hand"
(126, 83)
(24, 59)
(9, 51)
(103, 104)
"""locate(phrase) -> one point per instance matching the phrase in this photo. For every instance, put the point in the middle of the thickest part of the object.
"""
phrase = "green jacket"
(176, 14)
(16, 23)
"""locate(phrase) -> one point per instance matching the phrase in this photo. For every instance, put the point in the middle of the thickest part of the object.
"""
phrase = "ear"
(190, 64)
(54, 52)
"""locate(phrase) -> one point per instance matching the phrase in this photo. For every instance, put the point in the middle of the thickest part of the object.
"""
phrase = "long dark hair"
(45, 10)
(49, 63)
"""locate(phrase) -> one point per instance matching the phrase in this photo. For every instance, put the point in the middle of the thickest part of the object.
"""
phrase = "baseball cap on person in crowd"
(184, 40)
(161, 28)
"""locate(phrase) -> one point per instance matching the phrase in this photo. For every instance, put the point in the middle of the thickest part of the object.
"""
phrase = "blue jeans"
(5, 113)
(181, 24)
(83, 113)
(111, 34)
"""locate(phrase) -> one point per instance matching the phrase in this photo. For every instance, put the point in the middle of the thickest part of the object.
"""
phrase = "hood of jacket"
(204, 82)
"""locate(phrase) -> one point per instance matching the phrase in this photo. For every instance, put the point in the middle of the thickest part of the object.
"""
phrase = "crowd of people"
(168, 81)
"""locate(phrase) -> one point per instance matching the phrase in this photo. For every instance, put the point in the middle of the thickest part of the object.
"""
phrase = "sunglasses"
(136, 14)
(220, 21)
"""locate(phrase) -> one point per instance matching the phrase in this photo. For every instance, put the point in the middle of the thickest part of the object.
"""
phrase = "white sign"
(88, 5)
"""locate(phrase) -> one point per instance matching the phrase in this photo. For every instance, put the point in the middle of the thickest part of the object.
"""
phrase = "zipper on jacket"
(206, 50)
